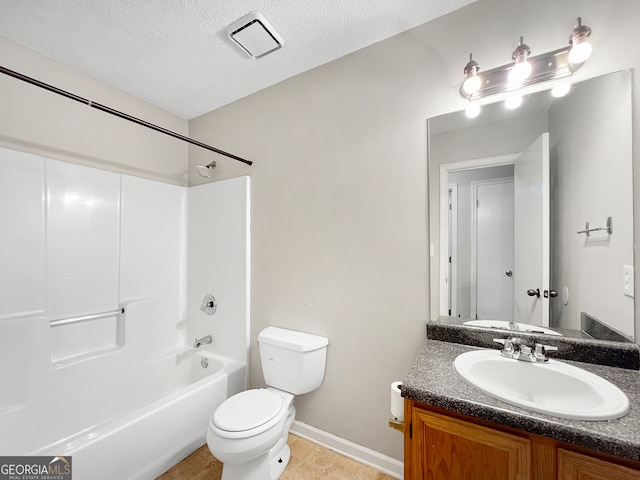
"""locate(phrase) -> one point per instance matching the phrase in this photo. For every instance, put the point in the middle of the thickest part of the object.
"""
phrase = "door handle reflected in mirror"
(534, 293)
(550, 293)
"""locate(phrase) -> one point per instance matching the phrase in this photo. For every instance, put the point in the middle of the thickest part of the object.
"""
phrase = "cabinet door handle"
(534, 293)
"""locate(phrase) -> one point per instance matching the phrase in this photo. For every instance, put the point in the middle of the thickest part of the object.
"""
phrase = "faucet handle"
(507, 346)
(540, 352)
(209, 304)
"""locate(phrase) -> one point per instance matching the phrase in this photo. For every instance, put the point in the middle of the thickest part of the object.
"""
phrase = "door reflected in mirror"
(510, 190)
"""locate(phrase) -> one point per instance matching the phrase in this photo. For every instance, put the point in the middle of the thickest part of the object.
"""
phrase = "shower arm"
(117, 113)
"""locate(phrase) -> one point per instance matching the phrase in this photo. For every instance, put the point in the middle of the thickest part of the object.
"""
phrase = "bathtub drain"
(204, 362)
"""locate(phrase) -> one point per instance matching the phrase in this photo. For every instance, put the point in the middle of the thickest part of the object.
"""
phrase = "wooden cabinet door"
(446, 448)
(575, 466)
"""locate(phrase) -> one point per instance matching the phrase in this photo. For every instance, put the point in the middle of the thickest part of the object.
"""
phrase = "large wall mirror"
(531, 212)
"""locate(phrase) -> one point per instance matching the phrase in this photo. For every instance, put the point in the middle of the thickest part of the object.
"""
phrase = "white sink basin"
(504, 325)
(554, 388)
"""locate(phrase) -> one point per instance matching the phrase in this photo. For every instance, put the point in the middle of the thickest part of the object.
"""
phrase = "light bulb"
(579, 40)
(513, 102)
(472, 110)
(561, 90)
(472, 84)
(580, 51)
(521, 70)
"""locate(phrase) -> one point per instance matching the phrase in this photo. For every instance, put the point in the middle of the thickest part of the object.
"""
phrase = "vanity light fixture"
(526, 70)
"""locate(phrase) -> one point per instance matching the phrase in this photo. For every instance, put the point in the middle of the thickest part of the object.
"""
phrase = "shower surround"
(101, 284)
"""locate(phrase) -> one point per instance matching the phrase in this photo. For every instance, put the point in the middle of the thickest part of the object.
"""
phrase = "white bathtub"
(147, 441)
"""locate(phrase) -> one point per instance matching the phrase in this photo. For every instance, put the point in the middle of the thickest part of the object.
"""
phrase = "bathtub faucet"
(202, 341)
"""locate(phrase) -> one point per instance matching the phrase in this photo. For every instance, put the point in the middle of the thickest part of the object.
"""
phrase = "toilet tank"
(292, 361)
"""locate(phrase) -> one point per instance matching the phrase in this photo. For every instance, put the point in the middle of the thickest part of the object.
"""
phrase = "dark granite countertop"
(433, 381)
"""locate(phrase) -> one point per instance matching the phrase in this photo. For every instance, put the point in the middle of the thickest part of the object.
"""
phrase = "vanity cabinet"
(446, 448)
(576, 466)
(441, 445)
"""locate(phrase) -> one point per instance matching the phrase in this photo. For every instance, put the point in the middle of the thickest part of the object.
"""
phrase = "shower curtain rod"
(117, 113)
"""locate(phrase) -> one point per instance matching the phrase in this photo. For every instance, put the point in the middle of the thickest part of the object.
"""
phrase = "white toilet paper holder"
(397, 407)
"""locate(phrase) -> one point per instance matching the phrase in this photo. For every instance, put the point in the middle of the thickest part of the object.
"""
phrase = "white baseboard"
(388, 465)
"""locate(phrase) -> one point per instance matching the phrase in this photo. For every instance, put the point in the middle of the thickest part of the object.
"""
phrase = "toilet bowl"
(248, 431)
(247, 425)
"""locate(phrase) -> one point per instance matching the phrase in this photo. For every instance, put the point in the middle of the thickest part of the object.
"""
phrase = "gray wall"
(339, 186)
(339, 190)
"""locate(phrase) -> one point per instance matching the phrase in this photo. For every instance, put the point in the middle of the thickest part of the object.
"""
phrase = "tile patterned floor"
(308, 462)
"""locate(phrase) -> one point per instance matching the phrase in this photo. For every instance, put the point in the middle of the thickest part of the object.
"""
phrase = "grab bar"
(85, 318)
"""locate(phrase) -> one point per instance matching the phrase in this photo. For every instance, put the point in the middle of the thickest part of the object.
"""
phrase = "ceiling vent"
(254, 35)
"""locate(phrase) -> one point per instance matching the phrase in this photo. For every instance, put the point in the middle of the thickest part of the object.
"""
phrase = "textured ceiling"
(175, 54)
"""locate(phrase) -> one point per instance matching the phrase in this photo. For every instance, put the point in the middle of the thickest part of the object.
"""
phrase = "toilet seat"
(248, 413)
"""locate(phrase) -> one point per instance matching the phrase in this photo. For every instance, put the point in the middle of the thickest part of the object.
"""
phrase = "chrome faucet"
(517, 349)
(202, 341)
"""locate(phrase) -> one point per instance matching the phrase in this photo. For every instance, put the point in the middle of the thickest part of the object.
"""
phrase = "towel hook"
(609, 228)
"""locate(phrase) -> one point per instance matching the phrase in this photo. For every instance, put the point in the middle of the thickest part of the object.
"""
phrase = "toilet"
(248, 432)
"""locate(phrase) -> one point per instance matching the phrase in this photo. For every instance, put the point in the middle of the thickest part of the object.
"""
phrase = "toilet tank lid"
(291, 339)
